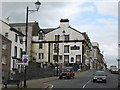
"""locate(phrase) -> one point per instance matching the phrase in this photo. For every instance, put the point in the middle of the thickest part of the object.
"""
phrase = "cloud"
(107, 7)
(107, 21)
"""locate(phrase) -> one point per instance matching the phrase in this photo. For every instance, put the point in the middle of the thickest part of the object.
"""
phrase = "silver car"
(100, 76)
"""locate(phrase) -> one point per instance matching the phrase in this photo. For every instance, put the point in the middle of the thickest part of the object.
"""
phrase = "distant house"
(33, 29)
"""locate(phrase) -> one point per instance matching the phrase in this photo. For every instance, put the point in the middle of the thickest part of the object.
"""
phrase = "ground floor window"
(66, 58)
(78, 59)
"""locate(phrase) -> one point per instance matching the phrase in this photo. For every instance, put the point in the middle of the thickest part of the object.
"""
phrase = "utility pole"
(119, 73)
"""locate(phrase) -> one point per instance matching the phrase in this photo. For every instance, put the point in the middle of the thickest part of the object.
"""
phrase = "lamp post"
(37, 4)
(118, 66)
(118, 73)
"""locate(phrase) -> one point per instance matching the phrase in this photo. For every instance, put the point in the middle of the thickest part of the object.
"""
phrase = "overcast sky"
(98, 18)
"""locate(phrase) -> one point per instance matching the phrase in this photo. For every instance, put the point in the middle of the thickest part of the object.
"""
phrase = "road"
(84, 80)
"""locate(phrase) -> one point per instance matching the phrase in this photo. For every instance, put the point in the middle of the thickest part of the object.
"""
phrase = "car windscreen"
(65, 70)
(100, 74)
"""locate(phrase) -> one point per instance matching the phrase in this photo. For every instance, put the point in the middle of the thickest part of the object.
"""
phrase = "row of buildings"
(61, 46)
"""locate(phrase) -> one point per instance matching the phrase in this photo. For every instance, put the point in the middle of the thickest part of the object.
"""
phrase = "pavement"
(40, 83)
(36, 83)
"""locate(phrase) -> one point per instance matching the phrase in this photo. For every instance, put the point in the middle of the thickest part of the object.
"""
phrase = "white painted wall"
(11, 37)
(74, 35)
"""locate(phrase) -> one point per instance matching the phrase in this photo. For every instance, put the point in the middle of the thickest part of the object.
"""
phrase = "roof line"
(74, 29)
(11, 28)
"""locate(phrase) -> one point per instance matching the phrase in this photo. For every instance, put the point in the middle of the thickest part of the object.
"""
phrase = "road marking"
(86, 84)
(50, 86)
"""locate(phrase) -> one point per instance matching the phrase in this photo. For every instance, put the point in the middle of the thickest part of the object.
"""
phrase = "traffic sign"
(25, 59)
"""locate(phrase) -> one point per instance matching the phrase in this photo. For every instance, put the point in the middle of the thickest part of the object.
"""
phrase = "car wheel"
(105, 81)
(93, 80)
(68, 77)
(60, 77)
(73, 77)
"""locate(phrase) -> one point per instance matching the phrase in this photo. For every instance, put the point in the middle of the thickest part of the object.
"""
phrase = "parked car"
(67, 72)
(114, 71)
(111, 67)
(100, 76)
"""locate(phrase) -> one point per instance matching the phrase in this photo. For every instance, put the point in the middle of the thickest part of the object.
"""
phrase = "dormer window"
(40, 36)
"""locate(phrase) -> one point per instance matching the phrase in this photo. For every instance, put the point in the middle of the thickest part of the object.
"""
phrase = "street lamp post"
(37, 4)
(118, 73)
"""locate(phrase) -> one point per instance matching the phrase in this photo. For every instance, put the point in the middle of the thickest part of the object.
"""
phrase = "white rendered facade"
(71, 57)
(11, 35)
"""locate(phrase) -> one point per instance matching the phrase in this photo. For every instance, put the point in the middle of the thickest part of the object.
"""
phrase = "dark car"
(67, 72)
(100, 76)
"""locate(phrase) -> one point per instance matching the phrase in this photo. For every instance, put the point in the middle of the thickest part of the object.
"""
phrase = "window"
(4, 59)
(78, 59)
(4, 46)
(60, 57)
(66, 58)
(3, 74)
(15, 51)
(20, 52)
(40, 36)
(66, 49)
(66, 37)
(16, 37)
(14, 65)
(6, 34)
(56, 48)
(55, 57)
(41, 55)
(40, 45)
(21, 39)
(57, 37)
(72, 59)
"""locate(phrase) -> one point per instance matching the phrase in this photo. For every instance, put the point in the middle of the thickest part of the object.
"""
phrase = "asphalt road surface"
(84, 80)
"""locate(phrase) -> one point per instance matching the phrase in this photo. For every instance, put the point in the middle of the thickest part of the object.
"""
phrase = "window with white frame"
(57, 37)
(40, 36)
(4, 59)
(66, 58)
(21, 52)
(66, 49)
(4, 46)
(67, 37)
(41, 56)
(15, 51)
(78, 58)
(40, 45)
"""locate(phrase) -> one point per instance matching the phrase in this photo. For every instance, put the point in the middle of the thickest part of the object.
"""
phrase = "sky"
(98, 18)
